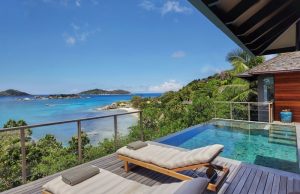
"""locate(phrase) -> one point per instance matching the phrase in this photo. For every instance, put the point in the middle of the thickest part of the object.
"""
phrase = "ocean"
(35, 111)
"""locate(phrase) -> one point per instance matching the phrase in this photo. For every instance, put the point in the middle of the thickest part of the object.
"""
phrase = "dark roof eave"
(275, 72)
(248, 77)
(215, 20)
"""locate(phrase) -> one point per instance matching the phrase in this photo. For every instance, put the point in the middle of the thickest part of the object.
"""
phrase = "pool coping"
(237, 162)
(180, 132)
(297, 126)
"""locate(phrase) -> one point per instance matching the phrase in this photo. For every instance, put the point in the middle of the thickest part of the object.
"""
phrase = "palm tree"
(241, 62)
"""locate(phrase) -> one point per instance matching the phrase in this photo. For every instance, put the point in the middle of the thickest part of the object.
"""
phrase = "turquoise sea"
(35, 111)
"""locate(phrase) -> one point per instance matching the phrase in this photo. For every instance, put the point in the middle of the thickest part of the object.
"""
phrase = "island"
(12, 92)
(63, 96)
(103, 92)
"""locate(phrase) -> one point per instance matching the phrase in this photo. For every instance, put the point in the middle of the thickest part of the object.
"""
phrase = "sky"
(67, 46)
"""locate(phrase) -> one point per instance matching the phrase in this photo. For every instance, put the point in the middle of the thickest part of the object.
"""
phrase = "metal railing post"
(141, 126)
(269, 105)
(249, 112)
(231, 116)
(116, 131)
(79, 141)
(272, 113)
(215, 107)
(23, 155)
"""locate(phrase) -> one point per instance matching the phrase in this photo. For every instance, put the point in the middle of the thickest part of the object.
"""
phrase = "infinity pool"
(272, 146)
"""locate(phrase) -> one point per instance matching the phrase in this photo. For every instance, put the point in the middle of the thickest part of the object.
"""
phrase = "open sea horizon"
(35, 111)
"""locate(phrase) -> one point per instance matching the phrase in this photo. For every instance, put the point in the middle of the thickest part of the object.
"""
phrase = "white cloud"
(66, 3)
(147, 5)
(79, 34)
(70, 40)
(175, 7)
(78, 3)
(169, 6)
(171, 85)
(178, 54)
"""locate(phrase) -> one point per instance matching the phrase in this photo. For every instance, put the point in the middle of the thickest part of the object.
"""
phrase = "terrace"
(264, 29)
(242, 178)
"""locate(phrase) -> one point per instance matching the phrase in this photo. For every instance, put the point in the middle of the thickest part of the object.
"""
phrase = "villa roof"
(259, 27)
(286, 62)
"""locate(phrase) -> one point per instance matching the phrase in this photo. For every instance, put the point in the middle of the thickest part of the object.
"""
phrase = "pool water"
(275, 147)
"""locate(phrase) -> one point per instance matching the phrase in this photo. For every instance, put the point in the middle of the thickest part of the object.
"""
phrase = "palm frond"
(233, 87)
(243, 97)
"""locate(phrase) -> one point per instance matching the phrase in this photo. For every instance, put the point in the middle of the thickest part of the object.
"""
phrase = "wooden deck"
(243, 178)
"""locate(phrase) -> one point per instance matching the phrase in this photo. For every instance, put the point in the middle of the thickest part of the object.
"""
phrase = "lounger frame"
(175, 172)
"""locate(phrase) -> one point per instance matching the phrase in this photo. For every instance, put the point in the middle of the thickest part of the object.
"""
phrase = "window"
(268, 87)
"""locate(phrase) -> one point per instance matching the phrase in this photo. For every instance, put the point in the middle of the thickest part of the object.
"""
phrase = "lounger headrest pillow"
(79, 174)
(194, 186)
(136, 145)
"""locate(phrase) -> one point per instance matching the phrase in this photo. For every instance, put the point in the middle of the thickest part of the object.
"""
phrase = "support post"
(79, 141)
(215, 107)
(269, 112)
(141, 126)
(231, 115)
(249, 112)
(116, 131)
(23, 155)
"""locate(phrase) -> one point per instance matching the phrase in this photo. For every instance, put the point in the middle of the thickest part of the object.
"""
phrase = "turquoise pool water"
(275, 148)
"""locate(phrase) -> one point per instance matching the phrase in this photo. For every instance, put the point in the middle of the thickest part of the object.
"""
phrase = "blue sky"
(65, 46)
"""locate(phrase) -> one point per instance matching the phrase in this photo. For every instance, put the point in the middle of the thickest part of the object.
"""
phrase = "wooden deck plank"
(235, 181)
(276, 184)
(283, 185)
(290, 185)
(248, 182)
(256, 181)
(233, 171)
(241, 179)
(262, 183)
(269, 183)
(296, 185)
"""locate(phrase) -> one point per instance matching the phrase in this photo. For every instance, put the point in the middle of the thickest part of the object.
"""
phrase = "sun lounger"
(171, 161)
(108, 183)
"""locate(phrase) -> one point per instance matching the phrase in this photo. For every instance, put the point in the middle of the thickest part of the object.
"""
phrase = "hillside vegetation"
(194, 103)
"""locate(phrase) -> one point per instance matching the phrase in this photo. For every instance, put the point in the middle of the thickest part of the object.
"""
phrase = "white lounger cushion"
(171, 158)
(108, 183)
(104, 182)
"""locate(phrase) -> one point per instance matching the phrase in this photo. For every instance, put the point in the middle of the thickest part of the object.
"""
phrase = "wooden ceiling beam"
(235, 12)
(280, 27)
(298, 35)
(210, 3)
(270, 24)
(259, 16)
(263, 42)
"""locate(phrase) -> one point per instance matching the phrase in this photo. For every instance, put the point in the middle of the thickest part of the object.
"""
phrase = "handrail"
(64, 122)
(234, 102)
(79, 130)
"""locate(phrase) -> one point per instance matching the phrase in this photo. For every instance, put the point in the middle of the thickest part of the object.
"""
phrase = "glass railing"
(250, 111)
